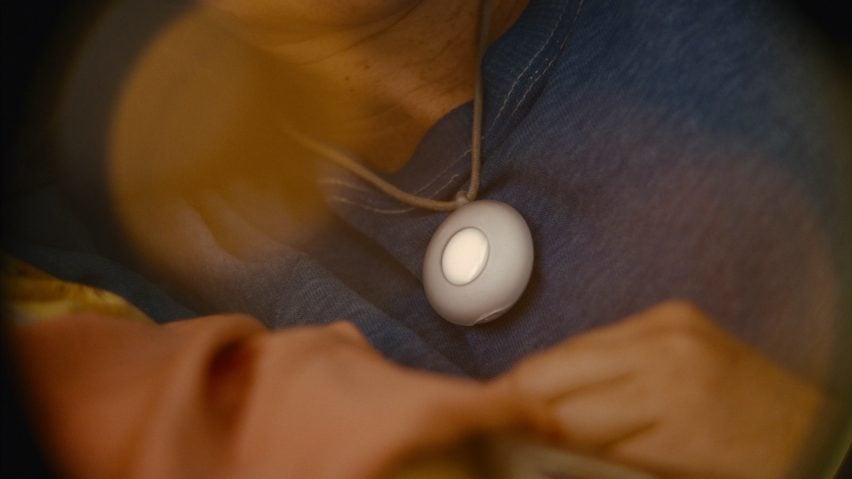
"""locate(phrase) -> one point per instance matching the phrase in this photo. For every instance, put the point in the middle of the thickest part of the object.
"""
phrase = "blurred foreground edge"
(509, 457)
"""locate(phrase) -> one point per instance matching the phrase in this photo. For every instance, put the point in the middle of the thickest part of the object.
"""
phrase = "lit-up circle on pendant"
(465, 256)
(478, 263)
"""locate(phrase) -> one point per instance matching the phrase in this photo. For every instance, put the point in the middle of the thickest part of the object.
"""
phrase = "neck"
(375, 87)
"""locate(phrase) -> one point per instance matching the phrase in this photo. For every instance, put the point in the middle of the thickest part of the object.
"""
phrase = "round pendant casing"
(478, 262)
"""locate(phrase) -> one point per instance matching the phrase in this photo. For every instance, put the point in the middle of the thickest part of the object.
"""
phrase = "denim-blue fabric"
(657, 150)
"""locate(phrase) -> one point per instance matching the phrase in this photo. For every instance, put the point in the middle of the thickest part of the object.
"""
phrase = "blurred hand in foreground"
(664, 391)
(221, 396)
(668, 391)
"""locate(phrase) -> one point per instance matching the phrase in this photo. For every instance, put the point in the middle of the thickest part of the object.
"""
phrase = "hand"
(668, 391)
(222, 397)
(205, 178)
(326, 404)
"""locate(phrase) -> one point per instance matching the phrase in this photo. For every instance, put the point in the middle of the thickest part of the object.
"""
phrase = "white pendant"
(478, 263)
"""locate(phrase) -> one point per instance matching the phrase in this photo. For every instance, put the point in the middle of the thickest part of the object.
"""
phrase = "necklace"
(479, 260)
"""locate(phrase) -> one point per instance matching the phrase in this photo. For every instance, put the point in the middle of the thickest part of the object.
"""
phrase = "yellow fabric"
(31, 294)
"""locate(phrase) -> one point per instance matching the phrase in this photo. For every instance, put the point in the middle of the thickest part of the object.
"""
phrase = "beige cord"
(349, 162)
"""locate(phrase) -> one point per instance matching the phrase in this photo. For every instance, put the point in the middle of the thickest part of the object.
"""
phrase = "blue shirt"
(656, 149)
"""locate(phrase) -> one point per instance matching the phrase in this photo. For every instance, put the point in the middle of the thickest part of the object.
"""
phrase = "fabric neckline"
(515, 68)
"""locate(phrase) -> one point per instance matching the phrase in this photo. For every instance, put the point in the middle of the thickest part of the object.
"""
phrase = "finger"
(175, 240)
(651, 449)
(337, 338)
(348, 332)
(664, 315)
(260, 202)
(606, 414)
(231, 230)
(570, 368)
(603, 353)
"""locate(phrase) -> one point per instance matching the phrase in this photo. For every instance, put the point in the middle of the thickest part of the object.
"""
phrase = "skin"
(372, 86)
(668, 391)
(370, 75)
(664, 390)
(220, 396)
